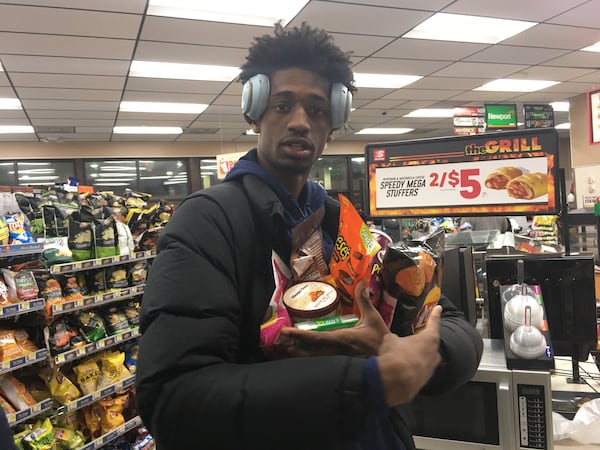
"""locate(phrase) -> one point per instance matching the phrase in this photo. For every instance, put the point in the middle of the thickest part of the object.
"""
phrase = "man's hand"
(407, 363)
(364, 339)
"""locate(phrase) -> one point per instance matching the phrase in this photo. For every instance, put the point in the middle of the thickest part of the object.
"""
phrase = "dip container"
(311, 300)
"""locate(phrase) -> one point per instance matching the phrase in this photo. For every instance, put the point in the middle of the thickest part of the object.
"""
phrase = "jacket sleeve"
(191, 390)
(461, 347)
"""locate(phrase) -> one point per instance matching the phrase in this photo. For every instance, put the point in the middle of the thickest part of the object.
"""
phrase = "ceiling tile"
(428, 49)
(492, 71)
(590, 60)
(351, 18)
(70, 104)
(545, 35)
(531, 10)
(75, 66)
(360, 44)
(168, 97)
(421, 94)
(69, 114)
(183, 86)
(72, 46)
(52, 80)
(130, 6)
(68, 21)
(189, 54)
(585, 15)
(46, 122)
(511, 54)
(69, 94)
(550, 73)
(400, 66)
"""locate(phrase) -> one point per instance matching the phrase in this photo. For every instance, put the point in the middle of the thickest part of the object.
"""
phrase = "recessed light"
(147, 130)
(511, 85)
(563, 126)
(267, 13)
(382, 80)
(16, 129)
(10, 103)
(431, 112)
(592, 48)
(385, 130)
(180, 71)
(464, 28)
(160, 107)
(560, 106)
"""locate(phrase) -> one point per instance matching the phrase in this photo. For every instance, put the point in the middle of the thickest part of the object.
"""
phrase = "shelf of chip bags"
(95, 396)
(16, 309)
(28, 413)
(113, 434)
(96, 300)
(22, 361)
(88, 349)
(101, 262)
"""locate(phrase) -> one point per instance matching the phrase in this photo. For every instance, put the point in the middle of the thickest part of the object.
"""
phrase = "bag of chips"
(412, 273)
(87, 375)
(15, 392)
(61, 388)
(352, 257)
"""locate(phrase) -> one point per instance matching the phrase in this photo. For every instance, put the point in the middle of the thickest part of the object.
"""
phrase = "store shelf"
(21, 249)
(112, 435)
(101, 262)
(97, 300)
(95, 396)
(94, 347)
(17, 309)
(22, 361)
(35, 410)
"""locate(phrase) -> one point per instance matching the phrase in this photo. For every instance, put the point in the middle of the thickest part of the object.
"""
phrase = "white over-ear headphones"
(255, 96)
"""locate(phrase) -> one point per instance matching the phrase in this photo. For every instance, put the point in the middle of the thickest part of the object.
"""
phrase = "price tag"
(87, 264)
(108, 260)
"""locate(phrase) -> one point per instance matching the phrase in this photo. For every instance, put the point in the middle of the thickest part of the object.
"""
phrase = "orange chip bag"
(353, 251)
(411, 276)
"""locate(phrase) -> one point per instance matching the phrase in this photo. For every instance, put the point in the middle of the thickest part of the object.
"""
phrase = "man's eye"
(316, 110)
(281, 107)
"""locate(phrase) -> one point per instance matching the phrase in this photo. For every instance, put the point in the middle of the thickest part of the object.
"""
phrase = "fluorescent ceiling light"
(46, 177)
(161, 107)
(10, 103)
(147, 130)
(592, 48)
(16, 129)
(463, 28)
(179, 71)
(382, 80)
(384, 130)
(511, 85)
(264, 13)
(33, 164)
(431, 112)
(560, 106)
(563, 126)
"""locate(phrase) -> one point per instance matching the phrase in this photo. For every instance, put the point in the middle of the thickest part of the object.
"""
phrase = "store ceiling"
(68, 62)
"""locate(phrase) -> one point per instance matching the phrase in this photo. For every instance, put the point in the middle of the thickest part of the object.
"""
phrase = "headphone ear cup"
(341, 104)
(255, 96)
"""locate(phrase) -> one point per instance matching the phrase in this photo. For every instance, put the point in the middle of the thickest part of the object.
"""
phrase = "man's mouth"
(298, 145)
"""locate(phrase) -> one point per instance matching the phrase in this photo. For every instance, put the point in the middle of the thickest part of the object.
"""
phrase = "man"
(203, 380)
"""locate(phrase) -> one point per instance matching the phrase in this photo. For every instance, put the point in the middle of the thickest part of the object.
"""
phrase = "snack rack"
(42, 358)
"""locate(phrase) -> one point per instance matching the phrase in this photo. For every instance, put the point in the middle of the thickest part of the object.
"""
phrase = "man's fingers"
(433, 320)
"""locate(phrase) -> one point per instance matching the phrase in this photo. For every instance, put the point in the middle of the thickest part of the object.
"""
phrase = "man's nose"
(299, 119)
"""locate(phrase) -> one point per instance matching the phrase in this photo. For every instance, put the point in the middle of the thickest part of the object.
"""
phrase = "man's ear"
(255, 127)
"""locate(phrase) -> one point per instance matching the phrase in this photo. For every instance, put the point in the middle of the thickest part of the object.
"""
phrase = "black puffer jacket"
(202, 381)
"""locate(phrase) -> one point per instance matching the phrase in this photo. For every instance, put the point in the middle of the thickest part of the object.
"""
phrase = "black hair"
(301, 47)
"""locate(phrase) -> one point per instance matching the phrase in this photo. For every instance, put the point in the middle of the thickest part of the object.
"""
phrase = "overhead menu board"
(512, 172)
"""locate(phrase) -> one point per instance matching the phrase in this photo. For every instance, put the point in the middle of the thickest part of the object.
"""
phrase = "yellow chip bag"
(112, 369)
(61, 388)
(87, 374)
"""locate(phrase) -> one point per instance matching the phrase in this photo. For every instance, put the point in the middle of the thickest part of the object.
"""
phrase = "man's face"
(296, 124)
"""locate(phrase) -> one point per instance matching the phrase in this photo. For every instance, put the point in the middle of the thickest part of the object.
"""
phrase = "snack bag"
(412, 273)
(61, 388)
(353, 253)
(276, 316)
(68, 439)
(308, 256)
(87, 374)
(15, 392)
